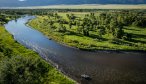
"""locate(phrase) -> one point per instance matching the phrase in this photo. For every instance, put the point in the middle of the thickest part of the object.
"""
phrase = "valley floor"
(91, 42)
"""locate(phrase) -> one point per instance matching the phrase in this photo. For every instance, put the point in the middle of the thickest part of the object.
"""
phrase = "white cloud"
(21, 0)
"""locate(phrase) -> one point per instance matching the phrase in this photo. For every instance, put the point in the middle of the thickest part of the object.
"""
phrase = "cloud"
(21, 0)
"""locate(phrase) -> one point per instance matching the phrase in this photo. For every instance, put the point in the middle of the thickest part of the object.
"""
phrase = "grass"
(9, 49)
(91, 42)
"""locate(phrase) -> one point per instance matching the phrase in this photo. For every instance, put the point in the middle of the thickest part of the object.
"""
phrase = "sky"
(22, 0)
(19, 3)
(25, 3)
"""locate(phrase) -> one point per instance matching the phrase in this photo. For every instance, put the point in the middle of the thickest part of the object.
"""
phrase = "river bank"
(14, 52)
(87, 42)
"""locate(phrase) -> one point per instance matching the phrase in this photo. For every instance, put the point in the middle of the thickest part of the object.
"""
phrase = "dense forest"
(19, 65)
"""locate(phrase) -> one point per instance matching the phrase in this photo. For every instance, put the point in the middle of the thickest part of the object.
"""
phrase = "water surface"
(104, 67)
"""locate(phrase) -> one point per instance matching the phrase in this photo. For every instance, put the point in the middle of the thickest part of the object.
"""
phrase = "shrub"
(23, 70)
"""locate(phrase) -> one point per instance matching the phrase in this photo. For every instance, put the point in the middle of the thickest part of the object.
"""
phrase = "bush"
(23, 70)
(127, 36)
(1, 56)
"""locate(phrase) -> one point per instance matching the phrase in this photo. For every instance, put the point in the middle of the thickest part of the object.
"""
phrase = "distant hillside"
(97, 1)
(16, 3)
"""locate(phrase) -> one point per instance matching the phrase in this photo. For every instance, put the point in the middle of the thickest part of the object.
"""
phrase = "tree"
(61, 28)
(127, 36)
(80, 29)
(3, 19)
(67, 15)
(70, 24)
(139, 22)
(101, 32)
(119, 32)
(113, 25)
(86, 30)
(24, 70)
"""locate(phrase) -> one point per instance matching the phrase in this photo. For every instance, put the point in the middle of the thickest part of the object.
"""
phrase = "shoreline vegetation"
(70, 32)
(19, 64)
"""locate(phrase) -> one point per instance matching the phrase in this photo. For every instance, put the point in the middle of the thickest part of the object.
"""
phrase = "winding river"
(104, 67)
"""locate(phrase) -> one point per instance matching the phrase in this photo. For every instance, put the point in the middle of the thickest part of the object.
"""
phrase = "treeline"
(4, 18)
(47, 11)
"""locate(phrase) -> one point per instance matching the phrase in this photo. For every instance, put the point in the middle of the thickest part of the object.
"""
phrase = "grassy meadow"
(92, 42)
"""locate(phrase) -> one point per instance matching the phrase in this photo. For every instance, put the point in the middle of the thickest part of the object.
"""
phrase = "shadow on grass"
(138, 36)
(97, 37)
(137, 41)
(132, 29)
(120, 42)
(91, 35)
(73, 33)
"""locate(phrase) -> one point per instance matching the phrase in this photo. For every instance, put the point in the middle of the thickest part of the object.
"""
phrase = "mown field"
(19, 65)
(61, 28)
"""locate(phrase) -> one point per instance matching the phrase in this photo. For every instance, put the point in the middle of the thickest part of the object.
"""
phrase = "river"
(104, 67)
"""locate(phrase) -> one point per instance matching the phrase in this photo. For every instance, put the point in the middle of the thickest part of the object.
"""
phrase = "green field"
(18, 64)
(95, 41)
